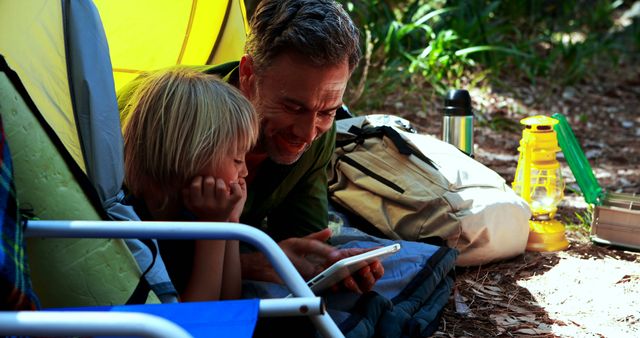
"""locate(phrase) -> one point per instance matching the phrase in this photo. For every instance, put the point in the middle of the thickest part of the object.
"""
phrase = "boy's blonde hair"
(178, 121)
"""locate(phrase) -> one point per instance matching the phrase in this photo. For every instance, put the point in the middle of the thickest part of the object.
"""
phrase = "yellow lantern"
(539, 181)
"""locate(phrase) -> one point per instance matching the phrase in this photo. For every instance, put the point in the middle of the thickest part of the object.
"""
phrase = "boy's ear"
(247, 76)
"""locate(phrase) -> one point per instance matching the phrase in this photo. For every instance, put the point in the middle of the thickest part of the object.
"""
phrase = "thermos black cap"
(457, 103)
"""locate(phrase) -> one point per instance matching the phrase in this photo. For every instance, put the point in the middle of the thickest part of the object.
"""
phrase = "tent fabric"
(32, 43)
(138, 35)
(60, 54)
(150, 34)
(94, 104)
(36, 146)
(104, 271)
(62, 59)
(232, 319)
(98, 123)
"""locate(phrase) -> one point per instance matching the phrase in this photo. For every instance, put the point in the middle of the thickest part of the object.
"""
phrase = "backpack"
(404, 185)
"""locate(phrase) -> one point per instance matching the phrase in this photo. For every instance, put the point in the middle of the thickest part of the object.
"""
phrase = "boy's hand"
(238, 188)
(210, 199)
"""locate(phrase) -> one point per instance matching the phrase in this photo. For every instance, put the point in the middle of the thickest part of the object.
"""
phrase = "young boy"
(185, 138)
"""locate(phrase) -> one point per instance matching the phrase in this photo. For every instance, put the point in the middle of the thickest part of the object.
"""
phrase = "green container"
(616, 216)
(580, 167)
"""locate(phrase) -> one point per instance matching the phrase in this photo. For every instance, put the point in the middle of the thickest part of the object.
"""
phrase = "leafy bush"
(457, 43)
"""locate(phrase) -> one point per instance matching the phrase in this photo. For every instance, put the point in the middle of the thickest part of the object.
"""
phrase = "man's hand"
(211, 200)
(311, 255)
(364, 279)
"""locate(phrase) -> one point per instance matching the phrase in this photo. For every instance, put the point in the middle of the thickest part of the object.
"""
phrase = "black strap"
(403, 146)
(141, 292)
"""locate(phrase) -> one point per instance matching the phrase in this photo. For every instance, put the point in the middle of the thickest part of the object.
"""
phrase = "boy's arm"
(231, 278)
(239, 188)
(205, 282)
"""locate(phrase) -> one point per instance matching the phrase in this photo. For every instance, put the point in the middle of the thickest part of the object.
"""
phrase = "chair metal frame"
(304, 301)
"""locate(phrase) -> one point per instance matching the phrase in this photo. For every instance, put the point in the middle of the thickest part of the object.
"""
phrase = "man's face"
(295, 100)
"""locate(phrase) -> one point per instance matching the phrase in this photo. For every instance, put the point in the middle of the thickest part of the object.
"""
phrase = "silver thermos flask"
(457, 122)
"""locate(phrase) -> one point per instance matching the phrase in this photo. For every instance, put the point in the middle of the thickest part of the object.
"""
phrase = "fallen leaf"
(532, 331)
(461, 307)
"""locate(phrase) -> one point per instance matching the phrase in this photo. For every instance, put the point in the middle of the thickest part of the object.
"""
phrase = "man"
(299, 57)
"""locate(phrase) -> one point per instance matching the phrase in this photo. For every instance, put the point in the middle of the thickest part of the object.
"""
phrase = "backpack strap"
(403, 146)
(141, 292)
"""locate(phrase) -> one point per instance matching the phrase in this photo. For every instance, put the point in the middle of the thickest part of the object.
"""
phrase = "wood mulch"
(587, 290)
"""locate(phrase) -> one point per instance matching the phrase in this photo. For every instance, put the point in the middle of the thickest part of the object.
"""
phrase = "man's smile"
(288, 146)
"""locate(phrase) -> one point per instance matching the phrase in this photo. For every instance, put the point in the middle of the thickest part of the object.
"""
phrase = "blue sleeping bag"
(406, 302)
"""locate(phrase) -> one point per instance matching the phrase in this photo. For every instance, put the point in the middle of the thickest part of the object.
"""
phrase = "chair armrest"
(190, 230)
(58, 323)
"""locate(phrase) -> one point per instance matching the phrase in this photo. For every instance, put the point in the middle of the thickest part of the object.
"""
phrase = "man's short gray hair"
(320, 30)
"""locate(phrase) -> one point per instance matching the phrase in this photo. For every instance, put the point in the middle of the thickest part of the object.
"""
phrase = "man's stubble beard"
(274, 154)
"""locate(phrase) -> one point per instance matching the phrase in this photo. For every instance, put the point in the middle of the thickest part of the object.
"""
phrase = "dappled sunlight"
(587, 290)
(626, 18)
(589, 297)
(569, 38)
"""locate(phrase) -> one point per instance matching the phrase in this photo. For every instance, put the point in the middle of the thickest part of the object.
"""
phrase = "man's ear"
(247, 76)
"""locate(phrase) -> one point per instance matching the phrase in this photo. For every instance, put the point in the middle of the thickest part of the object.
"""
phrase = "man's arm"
(311, 255)
(308, 254)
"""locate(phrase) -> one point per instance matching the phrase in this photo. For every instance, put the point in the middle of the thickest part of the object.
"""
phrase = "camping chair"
(60, 115)
(47, 323)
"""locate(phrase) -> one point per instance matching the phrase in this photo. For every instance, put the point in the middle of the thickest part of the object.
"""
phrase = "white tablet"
(347, 266)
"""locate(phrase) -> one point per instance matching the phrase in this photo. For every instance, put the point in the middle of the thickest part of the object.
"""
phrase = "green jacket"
(283, 200)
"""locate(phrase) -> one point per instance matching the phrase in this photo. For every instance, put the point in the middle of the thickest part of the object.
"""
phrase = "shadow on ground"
(488, 302)
(587, 290)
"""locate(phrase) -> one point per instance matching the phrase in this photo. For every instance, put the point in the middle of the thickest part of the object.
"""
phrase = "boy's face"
(296, 102)
(231, 168)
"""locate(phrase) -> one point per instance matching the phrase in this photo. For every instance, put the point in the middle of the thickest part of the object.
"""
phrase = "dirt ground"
(587, 290)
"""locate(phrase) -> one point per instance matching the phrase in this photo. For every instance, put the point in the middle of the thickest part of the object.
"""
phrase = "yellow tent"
(60, 63)
(142, 35)
(145, 35)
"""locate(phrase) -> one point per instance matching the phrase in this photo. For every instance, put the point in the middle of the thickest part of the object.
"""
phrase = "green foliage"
(585, 217)
(502, 124)
(582, 220)
(442, 41)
